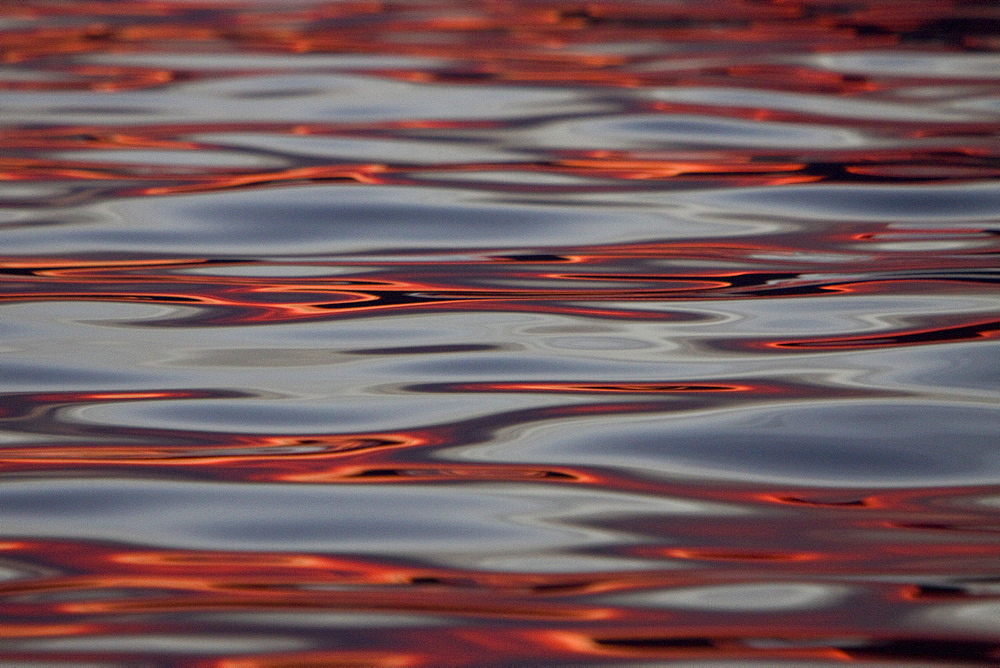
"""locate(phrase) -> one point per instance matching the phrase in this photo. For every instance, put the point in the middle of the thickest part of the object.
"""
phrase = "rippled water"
(499, 332)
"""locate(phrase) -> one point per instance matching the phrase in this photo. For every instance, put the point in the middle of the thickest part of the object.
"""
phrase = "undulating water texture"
(487, 333)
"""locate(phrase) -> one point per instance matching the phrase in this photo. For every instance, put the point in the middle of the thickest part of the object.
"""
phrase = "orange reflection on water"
(173, 581)
(402, 286)
(639, 388)
(342, 659)
(699, 644)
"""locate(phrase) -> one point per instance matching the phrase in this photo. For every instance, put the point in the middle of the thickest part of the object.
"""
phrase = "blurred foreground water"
(499, 333)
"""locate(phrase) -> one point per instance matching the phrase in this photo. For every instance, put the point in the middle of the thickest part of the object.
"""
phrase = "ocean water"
(416, 333)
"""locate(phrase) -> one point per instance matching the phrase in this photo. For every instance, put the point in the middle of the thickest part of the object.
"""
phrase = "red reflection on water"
(361, 457)
(545, 616)
(409, 286)
(638, 388)
(343, 659)
(490, 42)
(909, 337)
(557, 616)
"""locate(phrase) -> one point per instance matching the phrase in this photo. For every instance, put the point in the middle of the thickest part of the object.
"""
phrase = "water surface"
(499, 333)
